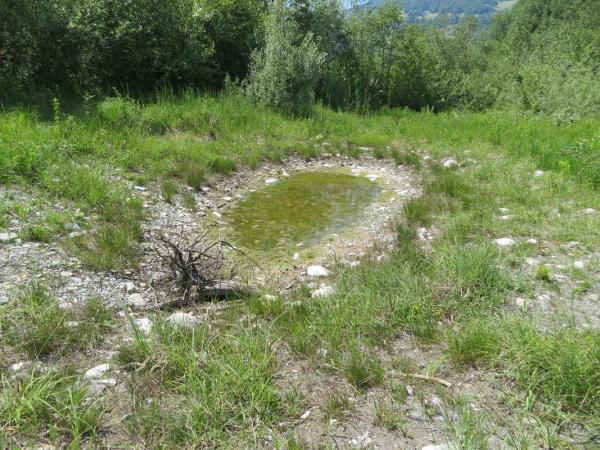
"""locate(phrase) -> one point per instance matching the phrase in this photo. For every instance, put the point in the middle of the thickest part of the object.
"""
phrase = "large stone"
(97, 372)
(317, 271)
(183, 320)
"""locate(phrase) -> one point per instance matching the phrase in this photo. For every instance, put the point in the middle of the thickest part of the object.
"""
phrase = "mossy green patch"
(300, 209)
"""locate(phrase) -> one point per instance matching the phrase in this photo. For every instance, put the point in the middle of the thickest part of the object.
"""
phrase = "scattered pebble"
(97, 372)
(323, 292)
(505, 242)
(539, 173)
(129, 287)
(520, 302)
(271, 181)
(450, 163)
(17, 367)
(532, 241)
(448, 446)
(361, 441)
(144, 325)
(317, 271)
(183, 320)
(590, 211)
(579, 265)
(98, 386)
(136, 300)
(6, 238)
(306, 415)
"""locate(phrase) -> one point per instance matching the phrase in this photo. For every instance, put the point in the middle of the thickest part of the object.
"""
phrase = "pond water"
(301, 208)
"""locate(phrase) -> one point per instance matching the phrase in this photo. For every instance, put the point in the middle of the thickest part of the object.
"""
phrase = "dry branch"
(198, 268)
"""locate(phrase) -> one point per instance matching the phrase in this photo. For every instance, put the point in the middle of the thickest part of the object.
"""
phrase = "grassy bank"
(218, 385)
(87, 158)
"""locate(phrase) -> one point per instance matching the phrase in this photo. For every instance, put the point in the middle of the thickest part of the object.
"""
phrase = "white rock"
(227, 199)
(144, 325)
(504, 210)
(520, 302)
(590, 211)
(285, 174)
(450, 163)
(354, 263)
(323, 292)
(184, 320)
(17, 367)
(448, 446)
(271, 181)
(362, 441)
(217, 215)
(506, 217)
(364, 149)
(98, 386)
(372, 177)
(539, 173)
(505, 242)
(139, 188)
(532, 241)
(296, 256)
(579, 265)
(317, 271)
(531, 261)
(6, 238)
(129, 287)
(306, 415)
(136, 300)
(97, 372)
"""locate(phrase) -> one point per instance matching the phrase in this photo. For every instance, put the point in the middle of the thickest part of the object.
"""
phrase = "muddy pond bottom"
(301, 208)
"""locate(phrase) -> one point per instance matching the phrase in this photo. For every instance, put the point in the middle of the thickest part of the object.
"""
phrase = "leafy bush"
(284, 74)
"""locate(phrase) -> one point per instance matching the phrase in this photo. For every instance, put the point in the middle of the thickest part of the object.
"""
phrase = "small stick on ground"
(427, 378)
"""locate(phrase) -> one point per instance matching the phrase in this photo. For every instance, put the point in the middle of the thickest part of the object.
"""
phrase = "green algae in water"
(301, 208)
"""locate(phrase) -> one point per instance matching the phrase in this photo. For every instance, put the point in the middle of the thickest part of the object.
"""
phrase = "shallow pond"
(301, 208)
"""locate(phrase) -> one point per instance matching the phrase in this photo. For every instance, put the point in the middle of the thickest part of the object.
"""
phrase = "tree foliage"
(542, 56)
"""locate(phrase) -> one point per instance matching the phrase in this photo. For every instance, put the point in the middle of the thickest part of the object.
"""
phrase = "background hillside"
(453, 10)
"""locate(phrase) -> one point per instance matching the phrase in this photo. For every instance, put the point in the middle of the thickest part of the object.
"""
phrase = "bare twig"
(427, 378)
(197, 267)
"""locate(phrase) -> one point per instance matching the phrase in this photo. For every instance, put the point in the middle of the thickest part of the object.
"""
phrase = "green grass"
(49, 403)
(199, 387)
(210, 386)
(35, 324)
(560, 366)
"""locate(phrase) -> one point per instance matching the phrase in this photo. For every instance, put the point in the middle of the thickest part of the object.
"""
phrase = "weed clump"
(38, 326)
